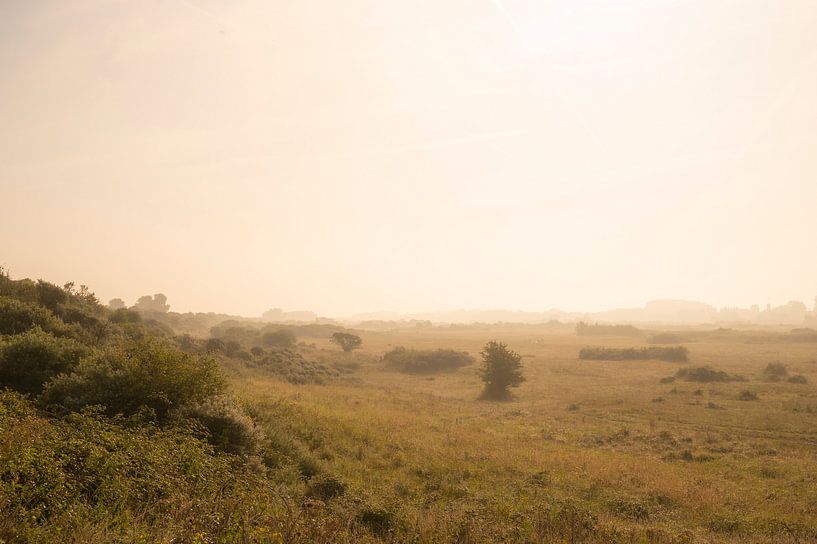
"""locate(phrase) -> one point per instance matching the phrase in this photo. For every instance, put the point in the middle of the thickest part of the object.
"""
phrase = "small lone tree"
(346, 341)
(502, 369)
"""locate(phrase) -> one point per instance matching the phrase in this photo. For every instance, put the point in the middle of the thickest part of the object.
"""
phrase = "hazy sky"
(416, 155)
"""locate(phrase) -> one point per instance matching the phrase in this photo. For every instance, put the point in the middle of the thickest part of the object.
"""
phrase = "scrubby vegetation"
(707, 374)
(429, 361)
(672, 354)
(775, 371)
(127, 430)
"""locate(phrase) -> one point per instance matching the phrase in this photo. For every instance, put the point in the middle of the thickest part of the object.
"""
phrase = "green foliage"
(426, 361)
(228, 428)
(59, 478)
(29, 360)
(346, 341)
(292, 367)
(281, 338)
(123, 315)
(672, 354)
(142, 374)
(17, 317)
(502, 369)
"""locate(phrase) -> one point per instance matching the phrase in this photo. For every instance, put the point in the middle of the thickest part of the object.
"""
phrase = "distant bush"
(428, 361)
(797, 378)
(281, 338)
(586, 329)
(228, 428)
(668, 379)
(346, 341)
(775, 371)
(706, 374)
(143, 374)
(747, 395)
(501, 370)
(672, 354)
(29, 360)
(123, 315)
(292, 367)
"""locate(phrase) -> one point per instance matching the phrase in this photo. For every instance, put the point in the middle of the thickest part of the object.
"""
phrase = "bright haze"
(358, 156)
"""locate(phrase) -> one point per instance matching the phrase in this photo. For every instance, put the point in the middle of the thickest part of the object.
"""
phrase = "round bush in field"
(29, 360)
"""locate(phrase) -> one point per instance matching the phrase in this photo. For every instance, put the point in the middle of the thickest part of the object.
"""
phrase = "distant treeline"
(673, 354)
(596, 329)
(429, 361)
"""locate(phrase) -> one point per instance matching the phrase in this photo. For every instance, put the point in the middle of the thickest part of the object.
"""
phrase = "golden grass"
(589, 434)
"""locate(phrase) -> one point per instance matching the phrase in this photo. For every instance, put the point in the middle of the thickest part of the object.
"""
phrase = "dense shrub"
(501, 370)
(426, 361)
(29, 360)
(775, 371)
(747, 395)
(797, 378)
(347, 341)
(706, 374)
(61, 477)
(672, 354)
(143, 374)
(228, 428)
(292, 367)
(17, 317)
(281, 338)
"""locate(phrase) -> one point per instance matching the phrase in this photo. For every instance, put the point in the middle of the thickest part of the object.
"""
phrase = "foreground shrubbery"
(141, 374)
(428, 361)
(672, 354)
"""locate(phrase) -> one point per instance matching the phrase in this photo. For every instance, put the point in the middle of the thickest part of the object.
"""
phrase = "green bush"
(228, 428)
(501, 370)
(146, 484)
(29, 360)
(282, 338)
(17, 317)
(426, 361)
(148, 374)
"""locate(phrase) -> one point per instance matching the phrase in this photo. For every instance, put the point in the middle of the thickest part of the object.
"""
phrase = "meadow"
(116, 426)
(588, 450)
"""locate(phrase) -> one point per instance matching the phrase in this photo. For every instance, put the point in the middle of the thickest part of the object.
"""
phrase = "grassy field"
(597, 451)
